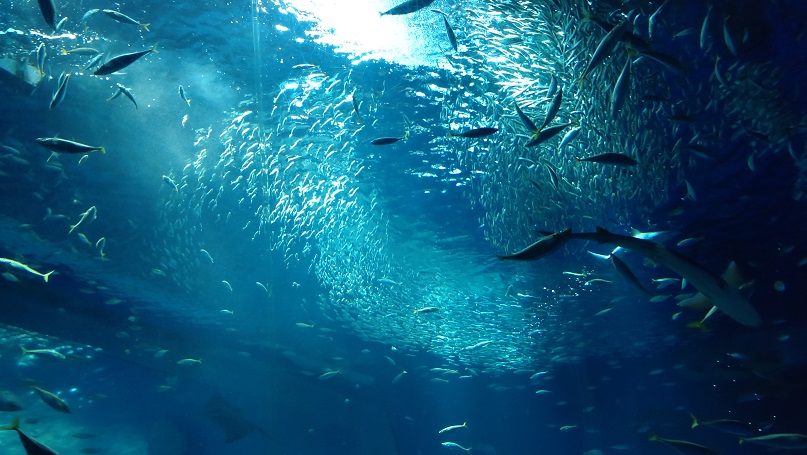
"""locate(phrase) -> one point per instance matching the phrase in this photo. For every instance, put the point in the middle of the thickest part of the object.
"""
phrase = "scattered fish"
(427, 309)
(783, 441)
(188, 362)
(725, 297)
(66, 146)
(44, 352)
(454, 445)
(122, 90)
(58, 96)
(120, 62)
(21, 266)
(124, 19)
(52, 400)
(170, 182)
(684, 447)
(453, 427)
(184, 96)
(89, 215)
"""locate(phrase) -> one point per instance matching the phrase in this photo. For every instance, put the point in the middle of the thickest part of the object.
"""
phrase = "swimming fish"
(120, 62)
(626, 273)
(58, 96)
(621, 88)
(787, 441)
(527, 122)
(52, 400)
(90, 13)
(407, 7)
(81, 51)
(65, 146)
(386, 140)
(452, 38)
(476, 132)
(125, 91)
(548, 133)
(328, 375)
(725, 297)
(124, 19)
(21, 266)
(606, 46)
(454, 445)
(32, 446)
(616, 159)
(735, 427)
(183, 95)
(48, 352)
(91, 214)
(553, 108)
(427, 309)
(452, 428)
(187, 362)
(41, 56)
(48, 8)
(542, 247)
(685, 447)
(170, 182)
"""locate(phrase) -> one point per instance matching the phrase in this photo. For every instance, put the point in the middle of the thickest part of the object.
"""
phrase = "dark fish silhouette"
(230, 418)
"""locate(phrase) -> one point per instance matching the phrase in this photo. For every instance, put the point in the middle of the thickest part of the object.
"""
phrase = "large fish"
(542, 247)
(121, 61)
(408, 7)
(722, 295)
(31, 445)
(48, 9)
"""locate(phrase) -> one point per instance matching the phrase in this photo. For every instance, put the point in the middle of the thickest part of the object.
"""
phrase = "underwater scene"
(418, 227)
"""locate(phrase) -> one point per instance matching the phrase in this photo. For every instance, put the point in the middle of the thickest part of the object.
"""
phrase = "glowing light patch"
(361, 32)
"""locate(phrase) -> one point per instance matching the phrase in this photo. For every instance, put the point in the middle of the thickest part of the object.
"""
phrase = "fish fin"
(732, 275)
(15, 425)
(47, 275)
(145, 27)
(697, 325)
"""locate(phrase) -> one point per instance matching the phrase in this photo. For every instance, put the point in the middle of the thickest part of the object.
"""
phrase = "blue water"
(273, 296)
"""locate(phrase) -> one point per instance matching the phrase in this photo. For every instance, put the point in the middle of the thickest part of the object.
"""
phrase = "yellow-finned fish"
(21, 266)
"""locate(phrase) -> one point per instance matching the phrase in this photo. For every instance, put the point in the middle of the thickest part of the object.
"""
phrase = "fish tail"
(47, 275)
(154, 48)
(102, 150)
(695, 422)
(64, 51)
(587, 15)
(145, 27)
(15, 425)
(189, 102)
(742, 440)
(24, 351)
